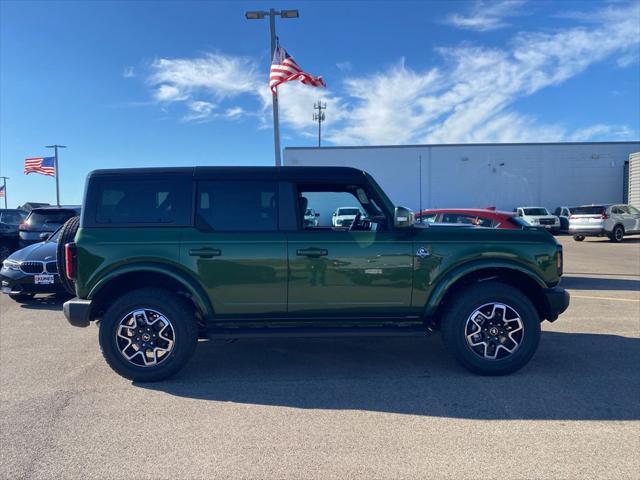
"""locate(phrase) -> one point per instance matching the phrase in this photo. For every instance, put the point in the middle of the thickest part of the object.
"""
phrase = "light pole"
(4, 184)
(55, 149)
(272, 13)
(319, 116)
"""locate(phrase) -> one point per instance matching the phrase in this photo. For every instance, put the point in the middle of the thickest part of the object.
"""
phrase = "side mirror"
(334, 214)
(519, 213)
(45, 236)
(403, 217)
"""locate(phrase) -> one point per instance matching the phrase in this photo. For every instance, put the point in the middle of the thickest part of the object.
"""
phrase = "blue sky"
(185, 83)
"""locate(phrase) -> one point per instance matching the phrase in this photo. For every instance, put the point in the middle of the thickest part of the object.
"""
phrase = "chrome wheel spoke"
(494, 331)
(145, 337)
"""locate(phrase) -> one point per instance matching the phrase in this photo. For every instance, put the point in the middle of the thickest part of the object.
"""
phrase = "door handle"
(205, 252)
(312, 252)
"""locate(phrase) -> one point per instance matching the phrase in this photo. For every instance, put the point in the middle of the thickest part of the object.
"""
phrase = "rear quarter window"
(163, 200)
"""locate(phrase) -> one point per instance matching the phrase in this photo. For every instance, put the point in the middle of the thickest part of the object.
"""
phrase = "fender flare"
(196, 291)
(452, 276)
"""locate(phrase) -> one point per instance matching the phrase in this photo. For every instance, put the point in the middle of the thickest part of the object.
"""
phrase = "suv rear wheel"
(148, 335)
(491, 328)
(578, 238)
(617, 234)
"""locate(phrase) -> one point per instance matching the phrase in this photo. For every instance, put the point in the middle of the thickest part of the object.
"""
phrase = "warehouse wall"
(503, 175)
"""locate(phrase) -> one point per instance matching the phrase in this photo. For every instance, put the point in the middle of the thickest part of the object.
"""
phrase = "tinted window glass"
(536, 211)
(595, 210)
(616, 210)
(50, 217)
(143, 200)
(465, 219)
(238, 206)
(11, 218)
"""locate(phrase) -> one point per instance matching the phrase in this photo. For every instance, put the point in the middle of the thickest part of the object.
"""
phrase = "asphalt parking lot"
(335, 408)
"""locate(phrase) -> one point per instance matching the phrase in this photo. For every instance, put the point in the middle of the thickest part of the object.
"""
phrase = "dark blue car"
(32, 270)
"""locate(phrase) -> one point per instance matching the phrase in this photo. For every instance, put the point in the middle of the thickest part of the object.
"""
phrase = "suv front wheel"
(491, 328)
(148, 335)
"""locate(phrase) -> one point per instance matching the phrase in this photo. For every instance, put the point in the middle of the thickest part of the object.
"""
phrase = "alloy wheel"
(145, 337)
(494, 331)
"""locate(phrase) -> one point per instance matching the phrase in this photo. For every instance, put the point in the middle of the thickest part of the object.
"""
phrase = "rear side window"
(142, 201)
(466, 219)
(237, 206)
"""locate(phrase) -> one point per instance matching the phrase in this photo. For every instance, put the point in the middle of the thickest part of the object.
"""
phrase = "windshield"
(535, 211)
(592, 210)
(12, 218)
(348, 211)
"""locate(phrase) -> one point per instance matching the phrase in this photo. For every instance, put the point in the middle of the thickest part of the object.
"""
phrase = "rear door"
(235, 248)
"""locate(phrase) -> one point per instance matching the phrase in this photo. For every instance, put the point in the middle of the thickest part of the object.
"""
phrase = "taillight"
(559, 260)
(70, 260)
(604, 216)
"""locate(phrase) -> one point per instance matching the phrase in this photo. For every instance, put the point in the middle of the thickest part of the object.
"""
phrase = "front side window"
(235, 206)
(337, 207)
(143, 201)
(633, 210)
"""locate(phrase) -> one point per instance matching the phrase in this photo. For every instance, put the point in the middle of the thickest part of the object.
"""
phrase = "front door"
(344, 271)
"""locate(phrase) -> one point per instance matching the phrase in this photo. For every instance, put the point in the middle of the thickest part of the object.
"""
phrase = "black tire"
(175, 309)
(617, 234)
(22, 297)
(454, 324)
(67, 235)
(578, 238)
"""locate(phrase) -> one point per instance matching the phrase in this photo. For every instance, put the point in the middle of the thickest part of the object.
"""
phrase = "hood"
(43, 251)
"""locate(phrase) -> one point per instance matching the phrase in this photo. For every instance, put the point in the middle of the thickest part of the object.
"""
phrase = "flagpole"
(274, 96)
(259, 15)
(4, 184)
(55, 147)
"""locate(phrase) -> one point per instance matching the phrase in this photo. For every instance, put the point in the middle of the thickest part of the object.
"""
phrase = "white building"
(503, 175)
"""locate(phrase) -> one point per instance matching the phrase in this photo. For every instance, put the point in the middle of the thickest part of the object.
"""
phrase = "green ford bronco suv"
(162, 257)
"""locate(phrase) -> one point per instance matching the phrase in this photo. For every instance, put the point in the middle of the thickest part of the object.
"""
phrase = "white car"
(539, 217)
(344, 216)
(613, 221)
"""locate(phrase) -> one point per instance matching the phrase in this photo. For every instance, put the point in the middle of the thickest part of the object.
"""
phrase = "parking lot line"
(606, 298)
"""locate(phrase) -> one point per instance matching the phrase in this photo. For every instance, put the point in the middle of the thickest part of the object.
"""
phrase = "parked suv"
(164, 256)
(539, 217)
(42, 222)
(613, 221)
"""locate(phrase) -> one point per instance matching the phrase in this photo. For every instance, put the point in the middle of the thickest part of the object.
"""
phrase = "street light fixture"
(272, 14)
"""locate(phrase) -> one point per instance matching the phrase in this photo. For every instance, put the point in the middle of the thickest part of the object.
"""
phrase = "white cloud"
(129, 72)
(487, 15)
(215, 74)
(344, 66)
(199, 110)
(472, 97)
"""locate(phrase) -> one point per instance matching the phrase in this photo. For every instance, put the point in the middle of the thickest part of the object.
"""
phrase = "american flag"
(285, 69)
(43, 165)
(1, 190)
